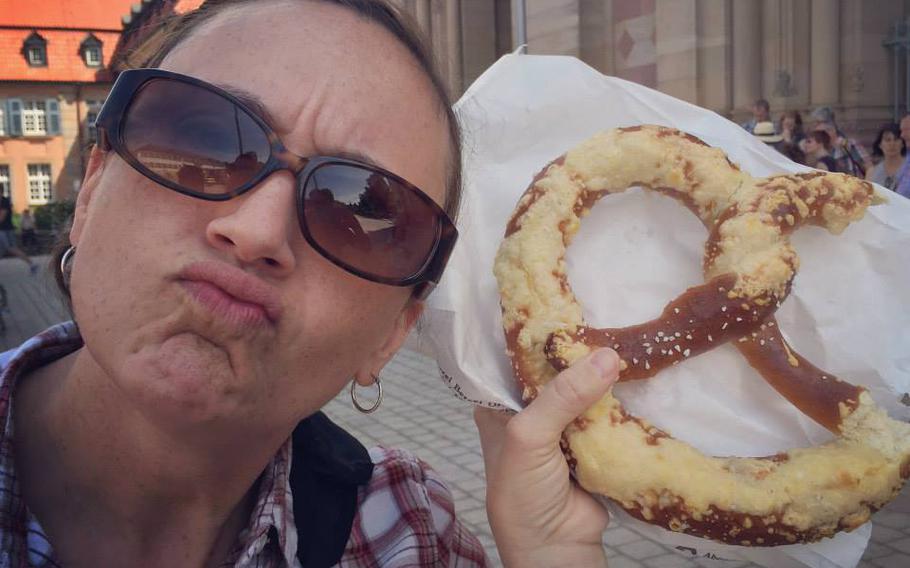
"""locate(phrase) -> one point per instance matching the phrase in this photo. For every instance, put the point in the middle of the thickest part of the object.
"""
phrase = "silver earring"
(64, 261)
(376, 403)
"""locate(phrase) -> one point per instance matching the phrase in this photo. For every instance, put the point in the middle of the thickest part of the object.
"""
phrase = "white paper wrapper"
(849, 311)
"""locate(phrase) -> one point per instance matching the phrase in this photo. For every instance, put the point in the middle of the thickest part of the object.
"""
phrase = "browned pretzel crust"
(798, 496)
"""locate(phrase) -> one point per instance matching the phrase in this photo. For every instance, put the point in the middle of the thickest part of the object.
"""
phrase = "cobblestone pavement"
(420, 414)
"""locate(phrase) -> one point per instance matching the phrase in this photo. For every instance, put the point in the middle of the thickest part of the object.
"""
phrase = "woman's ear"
(92, 178)
(393, 342)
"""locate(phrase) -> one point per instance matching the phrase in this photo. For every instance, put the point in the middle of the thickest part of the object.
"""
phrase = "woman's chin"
(186, 379)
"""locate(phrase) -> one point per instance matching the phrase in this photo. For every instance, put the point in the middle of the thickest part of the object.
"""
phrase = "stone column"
(747, 54)
(595, 30)
(553, 27)
(478, 27)
(825, 50)
(422, 15)
(714, 61)
(677, 57)
(454, 46)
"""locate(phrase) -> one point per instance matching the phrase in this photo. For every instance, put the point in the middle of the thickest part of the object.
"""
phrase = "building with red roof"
(55, 71)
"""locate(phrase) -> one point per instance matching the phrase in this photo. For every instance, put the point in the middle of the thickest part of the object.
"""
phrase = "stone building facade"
(719, 54)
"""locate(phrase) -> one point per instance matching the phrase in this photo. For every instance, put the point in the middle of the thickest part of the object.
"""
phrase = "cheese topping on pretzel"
(797, 496)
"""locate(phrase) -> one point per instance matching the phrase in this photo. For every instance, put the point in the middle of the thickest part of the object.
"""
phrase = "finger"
(491, 425)
(566, 397)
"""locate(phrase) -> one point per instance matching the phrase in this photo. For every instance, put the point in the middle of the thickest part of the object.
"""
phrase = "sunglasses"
(204, 142)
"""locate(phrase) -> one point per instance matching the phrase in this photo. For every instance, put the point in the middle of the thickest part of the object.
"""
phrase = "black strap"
(329, 465)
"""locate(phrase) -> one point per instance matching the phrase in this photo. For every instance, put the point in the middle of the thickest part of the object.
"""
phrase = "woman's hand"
(538, 515)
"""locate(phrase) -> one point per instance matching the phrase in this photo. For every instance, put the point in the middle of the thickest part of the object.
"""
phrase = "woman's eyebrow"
(355, 156)
(255, 104)
(250, 101)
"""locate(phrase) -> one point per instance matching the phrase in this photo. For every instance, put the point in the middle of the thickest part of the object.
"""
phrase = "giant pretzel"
(797, 496)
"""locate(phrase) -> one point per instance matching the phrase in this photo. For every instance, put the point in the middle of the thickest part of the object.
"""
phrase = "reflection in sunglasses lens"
(368, 220)
(194, 138)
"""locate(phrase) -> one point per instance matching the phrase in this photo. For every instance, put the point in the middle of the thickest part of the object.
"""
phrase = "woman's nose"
(259, 227)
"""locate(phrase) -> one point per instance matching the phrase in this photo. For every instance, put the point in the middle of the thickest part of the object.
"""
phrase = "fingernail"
(606, 360)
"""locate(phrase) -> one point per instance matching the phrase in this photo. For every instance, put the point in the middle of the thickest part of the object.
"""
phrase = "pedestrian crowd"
(826, 147)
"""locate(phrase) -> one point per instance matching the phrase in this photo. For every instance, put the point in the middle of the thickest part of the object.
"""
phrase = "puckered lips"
(232, 295)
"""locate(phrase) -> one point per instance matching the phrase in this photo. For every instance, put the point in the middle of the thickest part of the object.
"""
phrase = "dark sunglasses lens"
(193, 137)
(369, 221)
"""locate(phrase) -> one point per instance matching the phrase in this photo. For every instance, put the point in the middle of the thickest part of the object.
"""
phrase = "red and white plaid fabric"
(405, 513)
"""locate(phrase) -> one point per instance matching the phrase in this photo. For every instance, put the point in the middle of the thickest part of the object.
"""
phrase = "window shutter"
(53, 117)
(14, 120)
(4, 117)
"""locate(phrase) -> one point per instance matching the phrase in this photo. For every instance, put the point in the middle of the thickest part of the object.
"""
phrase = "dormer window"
(91, 51)
(35, 50)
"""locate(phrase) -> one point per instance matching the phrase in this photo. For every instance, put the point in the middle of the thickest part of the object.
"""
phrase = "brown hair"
(822, 138)
(176, 28)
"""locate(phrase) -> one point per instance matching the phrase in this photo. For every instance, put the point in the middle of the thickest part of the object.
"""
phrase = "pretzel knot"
(801, 495)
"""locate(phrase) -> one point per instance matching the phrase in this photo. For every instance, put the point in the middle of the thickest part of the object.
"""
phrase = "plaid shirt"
(405, 514)
(849, 156)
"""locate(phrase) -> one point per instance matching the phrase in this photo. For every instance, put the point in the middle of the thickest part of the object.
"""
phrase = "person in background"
(818, 147)
(790, 126)
(8, 235)
(27, 229)
(765, 132)
(761, 112)
(890, 148)
(849, 155)
(902, 183)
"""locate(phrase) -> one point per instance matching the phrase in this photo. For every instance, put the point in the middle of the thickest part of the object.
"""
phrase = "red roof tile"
(71, 14)
(64, 58)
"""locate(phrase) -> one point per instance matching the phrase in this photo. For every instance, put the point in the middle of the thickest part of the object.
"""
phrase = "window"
(35, 50)
(34, 117)
(91, 51)
(31, 117)
(3, 128)
(93, 56)
(4, 181)
(39, 184)
(91, 133)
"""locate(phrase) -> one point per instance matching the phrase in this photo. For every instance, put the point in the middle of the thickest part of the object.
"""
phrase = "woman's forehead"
(328, 80)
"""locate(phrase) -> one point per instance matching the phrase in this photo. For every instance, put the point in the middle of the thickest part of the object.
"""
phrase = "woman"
(889, 149)
(217, 313)
(818, 146)
(790, 126)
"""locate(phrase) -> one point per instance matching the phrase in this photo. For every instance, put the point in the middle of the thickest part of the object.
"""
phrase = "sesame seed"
(660, 334)
(689, 336)
(677, 334)
(724, 326)
(739, 319)
(677, 348)
(686, 353)
(676, 310)
(723, 308)
(634, 361)
(647, 364)
(710, 339)
(649, 350)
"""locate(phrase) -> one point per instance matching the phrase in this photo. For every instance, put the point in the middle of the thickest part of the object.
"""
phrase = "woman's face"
(331, 83)
(890, 145)
(812, 146)
(788, 123)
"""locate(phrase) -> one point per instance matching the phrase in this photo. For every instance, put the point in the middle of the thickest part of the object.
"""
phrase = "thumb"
(566, 397)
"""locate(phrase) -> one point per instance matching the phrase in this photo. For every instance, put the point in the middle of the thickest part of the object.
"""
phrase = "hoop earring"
(376, 403)
(64, 261)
